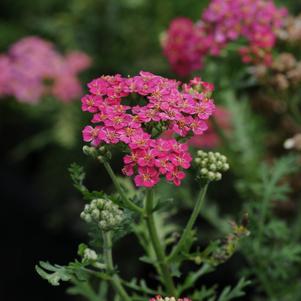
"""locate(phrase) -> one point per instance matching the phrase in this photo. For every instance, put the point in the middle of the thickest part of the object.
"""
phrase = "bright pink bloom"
(91, 134)
(181, 108)
(90, 103)
(128, 169)
(175, 176)
(182, 160)
(147, 177)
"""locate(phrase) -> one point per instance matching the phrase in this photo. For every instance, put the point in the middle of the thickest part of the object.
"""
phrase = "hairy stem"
(190, 224)
(155, 241)
(129, 204)
(115, 280)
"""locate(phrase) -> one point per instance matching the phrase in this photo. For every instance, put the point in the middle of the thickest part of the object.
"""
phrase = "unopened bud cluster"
(159, 298)
(104, 213)
(211, 165)
(101, 153)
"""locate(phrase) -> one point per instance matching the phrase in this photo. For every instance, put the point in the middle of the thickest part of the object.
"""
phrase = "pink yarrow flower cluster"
(162, 104)
(33, 68)
(222, 22)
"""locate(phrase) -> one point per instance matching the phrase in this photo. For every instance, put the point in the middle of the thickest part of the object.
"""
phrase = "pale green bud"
(90, 254)
(95, 213)
(218, 176)
(88, 218)
(197, 160)
(204, 171)
(212, 167)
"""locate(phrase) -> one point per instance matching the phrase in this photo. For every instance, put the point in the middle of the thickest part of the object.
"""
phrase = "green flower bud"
(90, 255)
(102, 225)
(89, 151)
(101, 159)
(102, 150)
(212, 167)
(226, 166)
(88, 218)
(204, 171)
(218, 176)
(211, 176)
(95, 214)
(100, 203)
(197, 160)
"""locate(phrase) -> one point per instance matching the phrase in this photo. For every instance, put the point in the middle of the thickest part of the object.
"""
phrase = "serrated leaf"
(59, 273)
(229, 293)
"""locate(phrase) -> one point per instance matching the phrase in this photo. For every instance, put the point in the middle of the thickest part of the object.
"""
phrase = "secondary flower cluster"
(186, 44)
(151, 104)
(33, 68)
(159, 298)
(105, 213)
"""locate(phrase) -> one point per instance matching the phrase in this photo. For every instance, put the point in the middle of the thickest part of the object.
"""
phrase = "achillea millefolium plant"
(131, 113)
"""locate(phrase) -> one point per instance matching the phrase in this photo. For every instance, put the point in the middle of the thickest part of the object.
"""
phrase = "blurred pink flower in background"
(187, 44)
(33, 68)
(184, 46)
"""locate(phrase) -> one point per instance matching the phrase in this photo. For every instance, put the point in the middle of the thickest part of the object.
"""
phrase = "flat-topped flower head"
(135, 111)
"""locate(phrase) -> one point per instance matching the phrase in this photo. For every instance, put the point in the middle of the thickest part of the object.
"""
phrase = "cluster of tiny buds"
(104, 213)
(211, 165)
(101, 153)
(159, 298)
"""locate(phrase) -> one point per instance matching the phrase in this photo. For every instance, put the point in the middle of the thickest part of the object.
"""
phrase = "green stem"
(190, 224)
(126, 201)
(262, 219)
(159, 251)
(116, 281)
